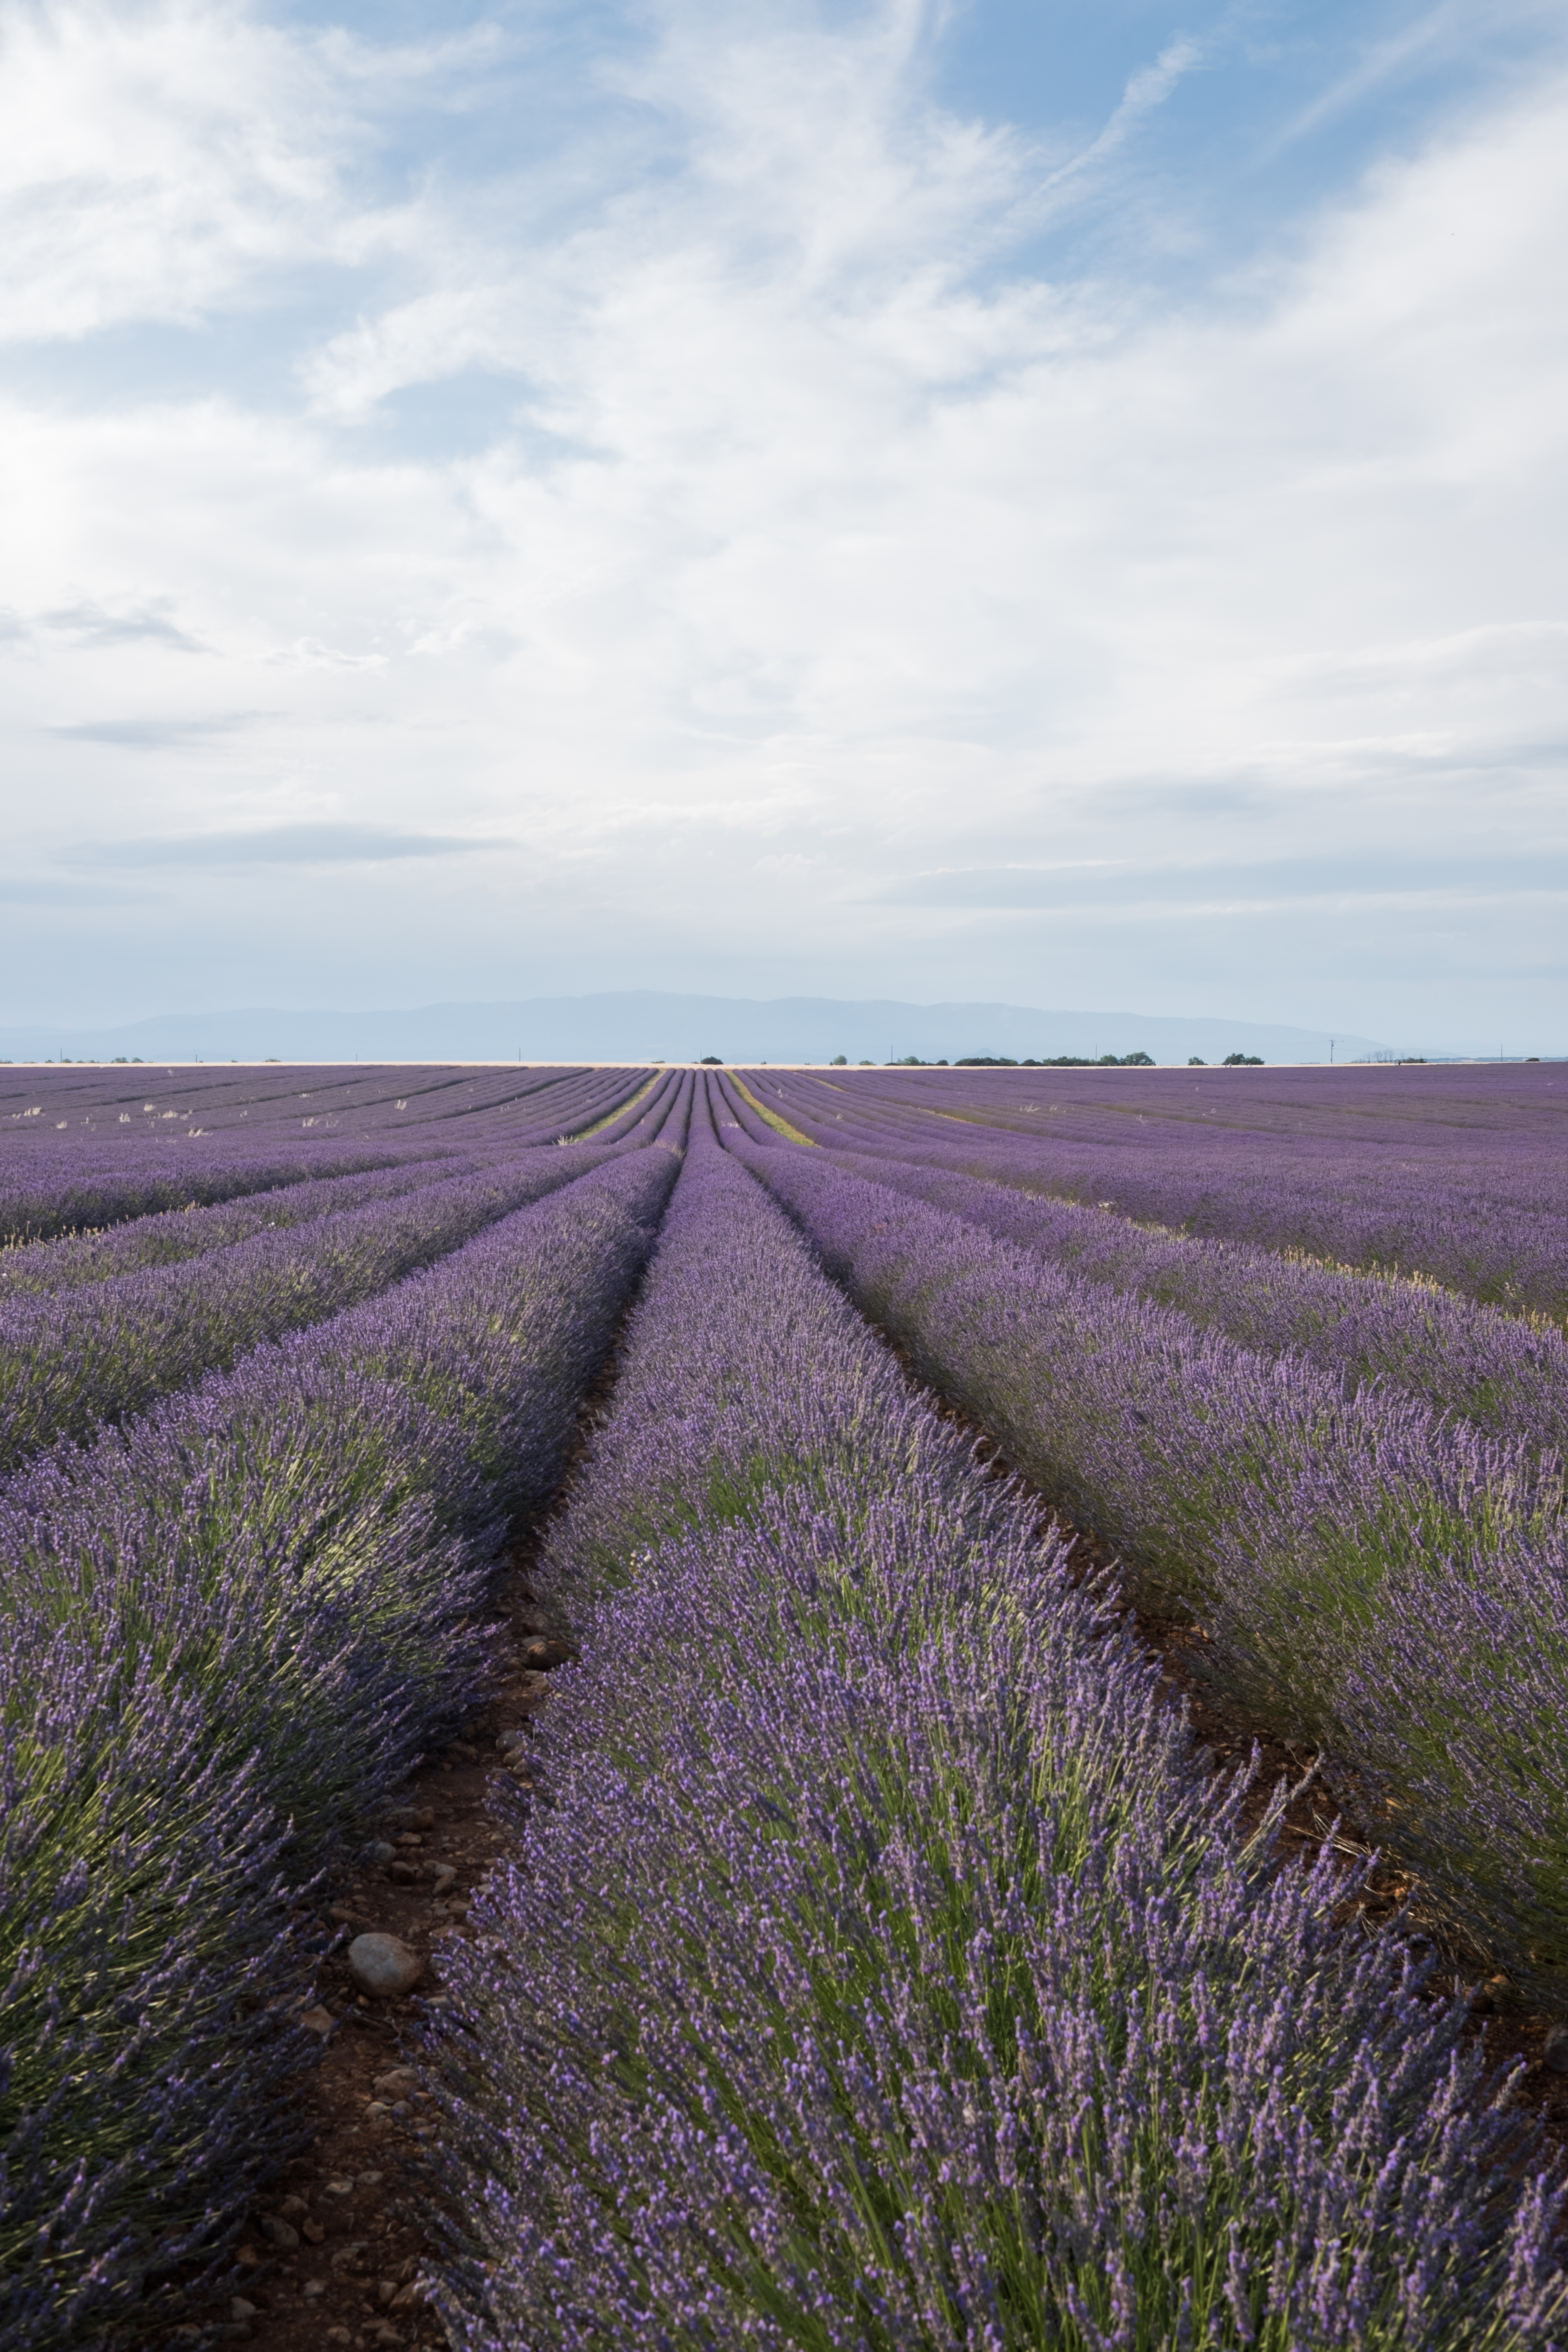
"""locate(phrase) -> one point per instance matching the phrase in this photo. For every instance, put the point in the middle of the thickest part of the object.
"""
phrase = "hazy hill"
(644, 1025)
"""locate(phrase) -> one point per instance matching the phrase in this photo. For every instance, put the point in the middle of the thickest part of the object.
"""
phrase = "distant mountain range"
(644, 1026)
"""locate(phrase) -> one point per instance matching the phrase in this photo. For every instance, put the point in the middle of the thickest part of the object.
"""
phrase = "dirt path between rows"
(333, 2254)
(332, 2258)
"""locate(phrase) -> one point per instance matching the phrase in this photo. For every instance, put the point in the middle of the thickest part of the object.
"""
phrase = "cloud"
(803, 535)
(93, 625)
(1182, 796)
(1131, 889)
(23, 891)
(1443, 35)
(160, 160)
(1146, 89)
(280, 844)
(158, 734)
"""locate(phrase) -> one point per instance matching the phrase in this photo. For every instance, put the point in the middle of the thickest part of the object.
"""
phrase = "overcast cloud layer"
(1057, 505)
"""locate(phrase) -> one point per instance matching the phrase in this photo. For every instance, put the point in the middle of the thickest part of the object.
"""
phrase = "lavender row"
(174, 1235)
(210, 1112)
(1504, 1130)
(227, 1631)
(1381, 1581)
(67, 1363)
(82, 1190)
(887, 1971)
(522, 1104)
(190, 1232)
(1461, 1358)
(641, 1117)
(1491, 1224)
(100, 1170)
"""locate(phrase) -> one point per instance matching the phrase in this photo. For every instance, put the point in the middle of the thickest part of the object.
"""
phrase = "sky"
(1059, 501)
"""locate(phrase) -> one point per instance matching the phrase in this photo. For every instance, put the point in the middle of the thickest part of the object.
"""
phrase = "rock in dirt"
(397, 2083)
(384, 1965)
(403, 1873)
(379, 1852)
(240, 2309)
(276, 2232)
(445, 1877)
(318, 2020)
(1556, 2051)
(545, 1651)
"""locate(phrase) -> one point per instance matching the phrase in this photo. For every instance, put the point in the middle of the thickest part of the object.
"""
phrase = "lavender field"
(867, 1951)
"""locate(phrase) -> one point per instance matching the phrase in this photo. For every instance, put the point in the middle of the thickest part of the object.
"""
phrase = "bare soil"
(350, 2195)
(353, 2196)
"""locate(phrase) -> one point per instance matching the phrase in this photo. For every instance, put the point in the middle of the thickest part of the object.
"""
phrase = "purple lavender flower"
(889, 1970)
(1454, 1173)
(229, 1629)
(1287, 1511)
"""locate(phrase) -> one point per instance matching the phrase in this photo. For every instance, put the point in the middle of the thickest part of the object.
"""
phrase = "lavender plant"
(81, 1150)
(889, 1970)
(1458, 1356)
(80, 1191)
(69, 1363)
(229, 1629)
(1310, 1528)
(175, 1235)
(1438, 1173)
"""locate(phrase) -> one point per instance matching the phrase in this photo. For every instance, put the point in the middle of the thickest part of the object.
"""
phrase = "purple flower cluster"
(1456, 1173)
(169, 1238)
(70, 1361)
(82, 1188)
(1384, 1581)
(88, 1148)
(888, 1970)
(226, 1629)
(1461, 1357)
(512, 1102)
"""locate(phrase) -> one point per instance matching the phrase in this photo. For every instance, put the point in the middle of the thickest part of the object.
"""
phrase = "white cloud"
(158, 159)
(278, 845)
(828, 546)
